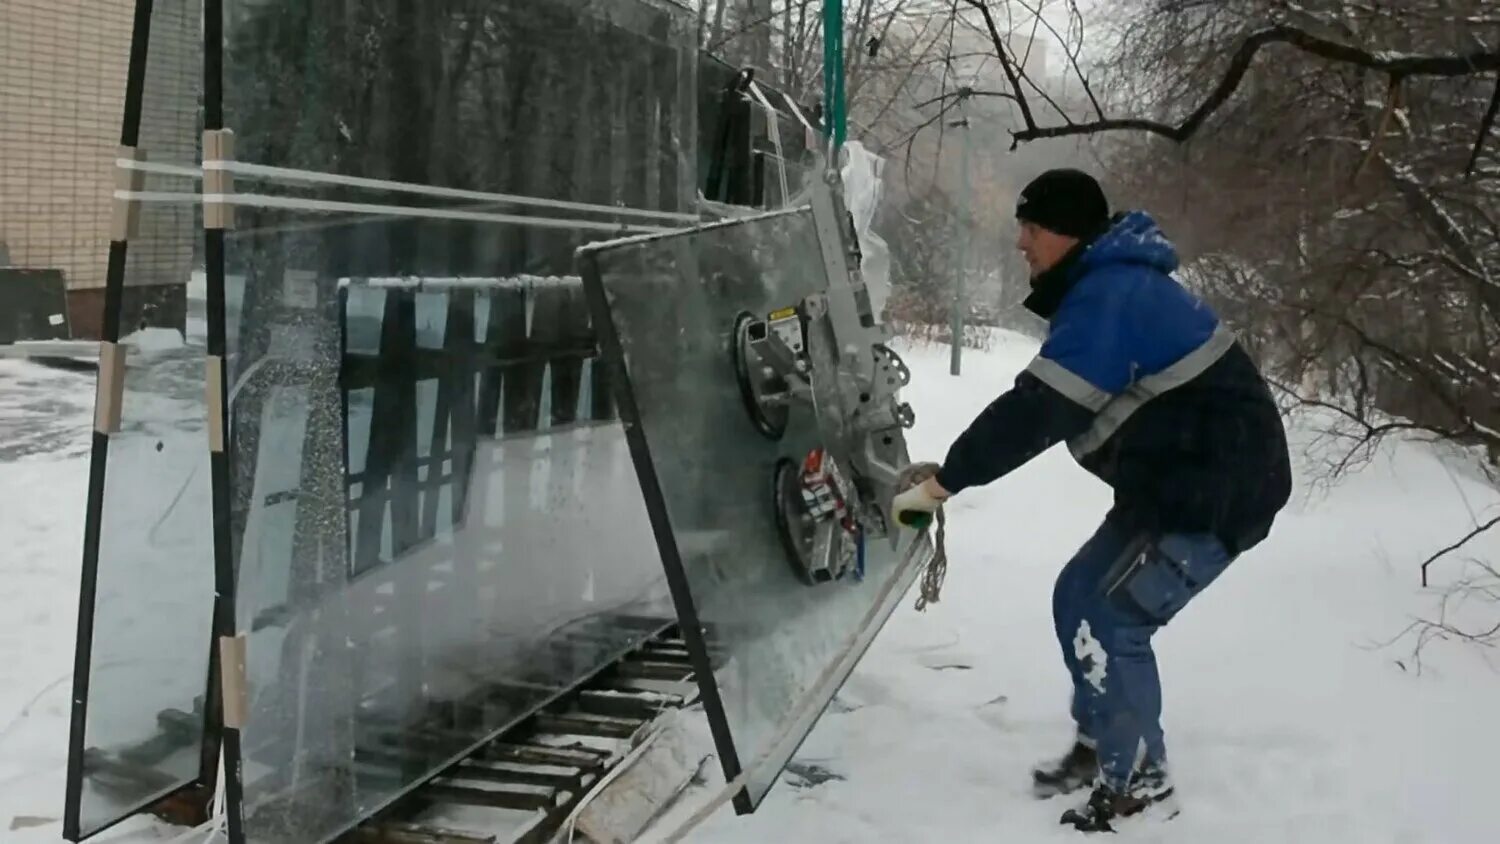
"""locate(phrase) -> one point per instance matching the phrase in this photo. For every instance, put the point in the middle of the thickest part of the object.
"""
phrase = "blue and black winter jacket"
(1150, 392)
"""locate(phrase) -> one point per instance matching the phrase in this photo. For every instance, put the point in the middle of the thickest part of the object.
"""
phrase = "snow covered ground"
(1286, 720)
(1287, 716)
(45, 418)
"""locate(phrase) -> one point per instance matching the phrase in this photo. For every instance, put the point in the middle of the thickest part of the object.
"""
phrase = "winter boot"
(1150, 783)
(1149, 786)
(1075, 770)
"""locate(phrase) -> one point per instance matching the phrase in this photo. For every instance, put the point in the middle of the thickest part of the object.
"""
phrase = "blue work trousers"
(1109, 601)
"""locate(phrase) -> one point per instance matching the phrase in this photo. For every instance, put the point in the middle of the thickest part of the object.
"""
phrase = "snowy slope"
(1287, 721)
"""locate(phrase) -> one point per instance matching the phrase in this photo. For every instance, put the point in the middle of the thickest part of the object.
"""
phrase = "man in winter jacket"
(1156, 398)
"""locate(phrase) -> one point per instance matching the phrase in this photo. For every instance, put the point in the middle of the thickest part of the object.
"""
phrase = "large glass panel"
(435, 517)
(784, 647)
(585, 101)
(153, 587)
(480, 547)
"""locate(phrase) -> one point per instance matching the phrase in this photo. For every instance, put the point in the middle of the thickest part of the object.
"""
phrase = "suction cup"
(818, 547)
(796, 529)
(763, 392)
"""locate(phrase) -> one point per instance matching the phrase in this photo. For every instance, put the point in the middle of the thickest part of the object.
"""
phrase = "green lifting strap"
(834, 119)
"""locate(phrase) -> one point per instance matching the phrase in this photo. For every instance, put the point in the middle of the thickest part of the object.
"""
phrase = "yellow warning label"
(783, 313)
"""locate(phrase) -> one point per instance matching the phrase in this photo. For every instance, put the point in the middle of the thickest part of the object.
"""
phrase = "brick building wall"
(62, 91)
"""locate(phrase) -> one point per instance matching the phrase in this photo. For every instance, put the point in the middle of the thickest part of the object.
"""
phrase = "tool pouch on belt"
(1159, 582)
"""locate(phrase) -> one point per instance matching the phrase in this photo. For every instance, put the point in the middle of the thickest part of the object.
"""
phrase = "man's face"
(1043, 248)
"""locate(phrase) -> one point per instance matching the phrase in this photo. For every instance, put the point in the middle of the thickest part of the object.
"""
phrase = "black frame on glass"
(135, 81)
(690, 626)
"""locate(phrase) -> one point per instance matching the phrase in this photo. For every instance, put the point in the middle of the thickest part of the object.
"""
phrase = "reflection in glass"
(147, 659)
(673, 301)
(435, 517)
(433, 536)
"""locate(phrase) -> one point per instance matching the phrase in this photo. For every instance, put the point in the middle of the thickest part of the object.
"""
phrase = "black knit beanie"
(1069, 202)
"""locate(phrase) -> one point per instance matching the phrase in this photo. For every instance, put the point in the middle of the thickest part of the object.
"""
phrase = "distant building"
(62, 93)
(976, 64)
(1033, 54)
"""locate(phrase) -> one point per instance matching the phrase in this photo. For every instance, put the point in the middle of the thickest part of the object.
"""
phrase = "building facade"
(62, 92)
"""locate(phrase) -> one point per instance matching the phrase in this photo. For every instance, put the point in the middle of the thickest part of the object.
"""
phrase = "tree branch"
(1395, 65)
(1071, 52)
(1005, 65)
(1393, 94)
(1484, 128)
(1457, 545)
(963, 93)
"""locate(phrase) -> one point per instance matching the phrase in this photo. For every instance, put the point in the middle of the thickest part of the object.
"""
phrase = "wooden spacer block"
(218, 146)
(213, 389)
(232, 672)
(125, 214)
(111, 390)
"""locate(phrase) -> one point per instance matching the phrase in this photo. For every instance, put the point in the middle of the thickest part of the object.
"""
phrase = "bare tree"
(1260, 25)
(1327, 167)
(783, 40)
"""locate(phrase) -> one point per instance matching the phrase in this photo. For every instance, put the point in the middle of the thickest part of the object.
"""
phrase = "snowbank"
(153, 340)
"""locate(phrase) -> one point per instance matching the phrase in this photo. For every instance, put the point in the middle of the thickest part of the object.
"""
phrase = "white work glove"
(914, 507)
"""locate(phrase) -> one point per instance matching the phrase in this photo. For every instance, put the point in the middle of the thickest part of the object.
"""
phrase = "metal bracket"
(843, 305)
(772, 348)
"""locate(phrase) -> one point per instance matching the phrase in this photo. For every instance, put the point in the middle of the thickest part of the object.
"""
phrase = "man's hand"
(914, 508)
